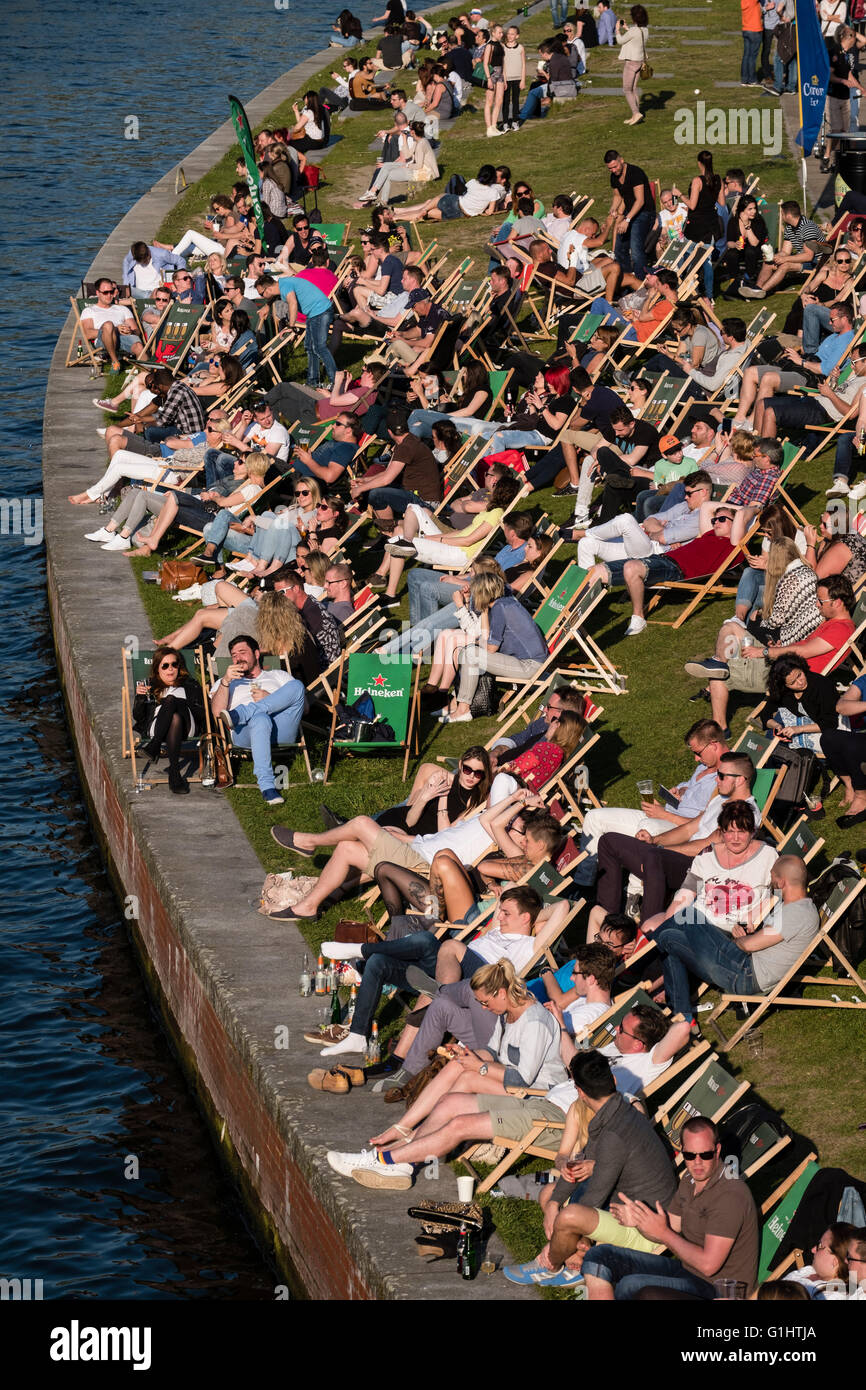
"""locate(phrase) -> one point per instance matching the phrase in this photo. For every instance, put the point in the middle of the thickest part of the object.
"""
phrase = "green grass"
(810, 1055)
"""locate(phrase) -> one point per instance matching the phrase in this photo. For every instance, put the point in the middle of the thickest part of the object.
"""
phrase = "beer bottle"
(336, 1011)
(306, 984)
(470, 1255)
(374, 1052)
(461, 1250)
(321, 977)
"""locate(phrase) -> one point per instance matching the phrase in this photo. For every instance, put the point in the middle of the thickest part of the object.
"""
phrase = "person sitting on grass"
(481, 197)
(620, 1152)
(458, 1103)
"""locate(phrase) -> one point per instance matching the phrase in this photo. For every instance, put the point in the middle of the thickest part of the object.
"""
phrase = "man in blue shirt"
(330, 460)
(794, 370)
(143, 266)
(304, 297)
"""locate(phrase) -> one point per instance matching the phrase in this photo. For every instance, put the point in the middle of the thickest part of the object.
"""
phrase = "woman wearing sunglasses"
(167, 709)
(810, 312)
(328, 525)
(439, 798)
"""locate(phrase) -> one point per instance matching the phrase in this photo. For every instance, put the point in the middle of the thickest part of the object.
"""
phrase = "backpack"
(749, 1129)
(849, 932)
(357, 723)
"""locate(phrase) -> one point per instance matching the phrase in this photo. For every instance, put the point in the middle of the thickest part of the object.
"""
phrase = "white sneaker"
(838, 488)
(491, 131)
(580, 516)
(856, 493)
(367, 1170)
(353, 1042)
(241, 566)
(103, 534)
(636, 626)
(342, 950)
(188, 595)
(118, 543)
(101, 433)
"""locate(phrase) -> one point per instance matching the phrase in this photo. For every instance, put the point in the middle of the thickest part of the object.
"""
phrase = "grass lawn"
(810, 1055)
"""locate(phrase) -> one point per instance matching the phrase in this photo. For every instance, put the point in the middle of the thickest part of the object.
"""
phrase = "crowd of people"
(675, 495)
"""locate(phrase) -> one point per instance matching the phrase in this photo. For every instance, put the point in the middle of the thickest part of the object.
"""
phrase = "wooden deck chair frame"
(89, 354)
(841, 899)
(187, 342)
(246, 510)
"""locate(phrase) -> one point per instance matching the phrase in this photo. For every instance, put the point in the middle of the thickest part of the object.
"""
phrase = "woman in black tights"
(168, 708)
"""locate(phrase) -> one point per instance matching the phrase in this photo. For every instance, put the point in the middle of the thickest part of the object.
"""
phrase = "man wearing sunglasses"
(187, 289)
(710, 1227)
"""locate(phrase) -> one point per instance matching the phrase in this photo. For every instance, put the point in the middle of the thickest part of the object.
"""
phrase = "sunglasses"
(472, 771)
(301, 493)
(717, 520)
(323, 507)
(704, 1154)
(164, 665)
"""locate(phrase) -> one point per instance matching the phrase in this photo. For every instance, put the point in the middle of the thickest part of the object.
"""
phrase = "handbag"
(438, 1217)
(180, 574)
(280, 891)
(786, 41)
(646, 71)
(356, 933)
(485, 701)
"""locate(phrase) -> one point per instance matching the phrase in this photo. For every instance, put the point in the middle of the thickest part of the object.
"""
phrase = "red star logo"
(379, 680)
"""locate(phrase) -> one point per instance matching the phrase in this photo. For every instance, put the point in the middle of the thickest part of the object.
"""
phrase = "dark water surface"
(86, 1076)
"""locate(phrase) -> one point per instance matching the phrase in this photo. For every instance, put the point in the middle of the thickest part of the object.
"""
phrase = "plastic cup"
(729, 1289)
(645, 787)
(465, 1189)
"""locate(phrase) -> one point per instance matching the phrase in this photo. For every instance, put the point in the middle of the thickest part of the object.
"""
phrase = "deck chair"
(395, 699)
(177, 335)
(336, 236)
(81, 351)
(136, 667)
(801, 840)
(711, 1091)
(218, 666)
(840, 900)
(781, 1205)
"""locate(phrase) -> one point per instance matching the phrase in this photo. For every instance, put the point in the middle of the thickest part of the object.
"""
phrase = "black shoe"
(570, 490)
(377, 543)
(152, 750)
(386, 1068)
(387, 602)
(330, 818)
(177, 783)
(703, 694)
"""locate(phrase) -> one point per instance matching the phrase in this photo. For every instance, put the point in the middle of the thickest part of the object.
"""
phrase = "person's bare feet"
(80, 499)
(395, 1134)
(143, 549)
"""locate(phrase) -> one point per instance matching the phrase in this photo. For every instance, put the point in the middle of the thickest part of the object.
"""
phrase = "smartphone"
(666, 796)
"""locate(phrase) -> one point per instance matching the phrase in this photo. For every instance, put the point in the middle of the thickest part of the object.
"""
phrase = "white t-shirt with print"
(276, 433)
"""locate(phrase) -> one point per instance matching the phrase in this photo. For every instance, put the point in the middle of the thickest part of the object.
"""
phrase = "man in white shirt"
(259, 429)
(111, 326)
(262, 708)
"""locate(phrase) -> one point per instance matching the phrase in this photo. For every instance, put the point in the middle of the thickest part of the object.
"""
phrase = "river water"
(89, 1091)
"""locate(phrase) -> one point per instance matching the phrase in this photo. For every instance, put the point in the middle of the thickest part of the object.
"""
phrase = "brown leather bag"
(356, 933)
(222, 767)
(180, 574)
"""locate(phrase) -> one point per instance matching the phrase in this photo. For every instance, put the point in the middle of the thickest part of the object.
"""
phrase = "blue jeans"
(844, 465)
(815, 317)
(629, 1271)
(277, 541)
(427, 594)
(350, 42)
(558, 12)
(216, 531)
(532, 105)
(318, 352)
(385, 963)
(217, 466)
(785, 74)
(604, 306)
(395, 499)
(421, 422)
(422, 635)
(273, 720)
(750, 589)
(751, 52)
(628, 247)
(658, 569)
(708, 952)
(514, 439)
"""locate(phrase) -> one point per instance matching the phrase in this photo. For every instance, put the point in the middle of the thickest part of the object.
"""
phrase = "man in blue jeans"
(634, 207)
(726, 959)
(558, 12)
(263, 708)
(710, 1227)
(304, 297)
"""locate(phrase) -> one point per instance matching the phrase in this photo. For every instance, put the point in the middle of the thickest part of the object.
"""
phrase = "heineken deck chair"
(838, 903)
(395, 699)
(175, 336)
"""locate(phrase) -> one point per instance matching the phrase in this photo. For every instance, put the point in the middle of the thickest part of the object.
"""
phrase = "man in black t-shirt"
(842, 82)
(634, 207)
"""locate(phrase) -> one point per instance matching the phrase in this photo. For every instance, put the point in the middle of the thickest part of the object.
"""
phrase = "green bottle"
(336, 1011)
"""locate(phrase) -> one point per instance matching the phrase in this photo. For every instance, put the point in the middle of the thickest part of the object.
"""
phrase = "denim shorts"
(449, 206)
(127, 341)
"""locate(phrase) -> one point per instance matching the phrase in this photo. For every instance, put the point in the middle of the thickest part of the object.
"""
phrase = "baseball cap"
(668, 443)
(416, 295)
